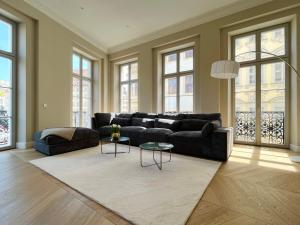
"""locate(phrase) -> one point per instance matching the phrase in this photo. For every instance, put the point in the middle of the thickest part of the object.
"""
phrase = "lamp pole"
(276, 56)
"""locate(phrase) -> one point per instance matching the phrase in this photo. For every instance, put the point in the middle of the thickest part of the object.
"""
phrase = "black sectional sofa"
(199, 135)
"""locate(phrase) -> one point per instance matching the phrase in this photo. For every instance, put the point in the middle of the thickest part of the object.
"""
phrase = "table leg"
(160, 159)
(101, 146)
(141, 157)
(129, 145)
(115, 149)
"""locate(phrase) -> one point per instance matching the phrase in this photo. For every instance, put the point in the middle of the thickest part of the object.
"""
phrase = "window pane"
(76, 64)
(5, 36)
(124, 73)
(245, 105)
(134, 97)
(86, 103)
(134, 71)
(124, 93)
(5, 102)
(5, 72)
(170, 94)
(86, 68)
(76, 102)
(187, 60)
(186, 93)
(243, 45)
(5, 132)
(273, 41)
(170, 63)
(273, 103)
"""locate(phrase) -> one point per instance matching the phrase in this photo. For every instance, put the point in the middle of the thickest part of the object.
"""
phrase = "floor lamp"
(229, 69)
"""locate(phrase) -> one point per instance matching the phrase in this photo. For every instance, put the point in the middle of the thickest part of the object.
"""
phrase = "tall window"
(260, 92)
(82, 90)
(7, 82)
(129, 87)
(178, 87)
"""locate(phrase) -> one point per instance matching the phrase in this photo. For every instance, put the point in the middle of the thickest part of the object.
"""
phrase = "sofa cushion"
(142, 122)
(213, 117)
(104, 131)
(207, 129)
(156, 134)
(145, 115)
(186, 136)
(201, 116)
(192, 124)
(167, 123)
(124, 115)
(102, 119)
(123, 122)
(131, 131)
(171, 116)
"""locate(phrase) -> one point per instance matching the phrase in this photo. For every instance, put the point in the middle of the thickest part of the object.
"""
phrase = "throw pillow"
(123, 122)
(143, 122)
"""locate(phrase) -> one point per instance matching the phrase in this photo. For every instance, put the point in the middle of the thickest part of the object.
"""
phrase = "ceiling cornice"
(50, 13)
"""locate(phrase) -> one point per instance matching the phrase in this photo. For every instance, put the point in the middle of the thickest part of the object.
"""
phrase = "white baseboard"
(24, 145)
(295, 148)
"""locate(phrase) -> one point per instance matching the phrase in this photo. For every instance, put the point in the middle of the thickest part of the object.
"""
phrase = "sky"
(5, 45)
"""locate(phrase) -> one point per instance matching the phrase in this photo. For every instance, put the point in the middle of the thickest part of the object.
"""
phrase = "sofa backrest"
(102, 119)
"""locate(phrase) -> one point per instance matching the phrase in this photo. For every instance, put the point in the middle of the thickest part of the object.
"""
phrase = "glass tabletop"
(156, 146)
(120, 139)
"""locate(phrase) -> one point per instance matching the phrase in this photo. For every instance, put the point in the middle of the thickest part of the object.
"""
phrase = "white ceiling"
(111, 24)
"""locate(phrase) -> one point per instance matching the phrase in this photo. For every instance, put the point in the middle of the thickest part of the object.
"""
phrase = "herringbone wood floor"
(257, 186)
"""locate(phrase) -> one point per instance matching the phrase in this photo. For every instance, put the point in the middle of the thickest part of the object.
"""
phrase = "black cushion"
(186, 136)
(142, 122)
(104, 131)
(207, 129)
(102, 119)
(145, 115)
(192, 124)
(124, 115)
(172, 116)
(209, 116)
(155, 134)
(131, 131)
(123, 122)
(167, 123)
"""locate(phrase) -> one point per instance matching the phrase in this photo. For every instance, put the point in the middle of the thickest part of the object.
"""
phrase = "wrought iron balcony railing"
(272, 127)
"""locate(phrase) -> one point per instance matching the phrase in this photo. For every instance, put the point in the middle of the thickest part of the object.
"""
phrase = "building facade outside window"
(129, 87)
(178, 85)
(8, 56)
(82, 104)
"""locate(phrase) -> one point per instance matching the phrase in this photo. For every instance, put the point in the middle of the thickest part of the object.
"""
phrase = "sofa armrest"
(222, 142)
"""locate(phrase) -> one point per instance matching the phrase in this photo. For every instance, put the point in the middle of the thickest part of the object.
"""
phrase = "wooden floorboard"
(257, 186)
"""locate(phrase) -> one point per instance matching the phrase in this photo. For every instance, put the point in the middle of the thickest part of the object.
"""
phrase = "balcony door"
(261, 90)
(7, 83)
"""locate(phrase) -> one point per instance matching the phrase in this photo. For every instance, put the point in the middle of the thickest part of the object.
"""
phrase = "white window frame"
(129, 82)
(13, 57)
(177, 75)
(81, 79)
(258, 62)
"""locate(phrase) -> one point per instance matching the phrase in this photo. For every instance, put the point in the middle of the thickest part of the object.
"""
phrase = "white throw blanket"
(66, 132)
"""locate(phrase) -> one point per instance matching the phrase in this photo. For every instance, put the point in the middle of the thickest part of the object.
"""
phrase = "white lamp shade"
(225, 69)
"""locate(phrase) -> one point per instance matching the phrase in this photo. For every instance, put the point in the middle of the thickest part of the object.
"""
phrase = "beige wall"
(47, 77)
(213, 95)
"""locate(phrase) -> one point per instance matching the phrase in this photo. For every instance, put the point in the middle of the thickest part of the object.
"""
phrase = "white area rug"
(143, 196)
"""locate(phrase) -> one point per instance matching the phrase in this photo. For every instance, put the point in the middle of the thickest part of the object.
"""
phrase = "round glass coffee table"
(156, 147)
(115, 141)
